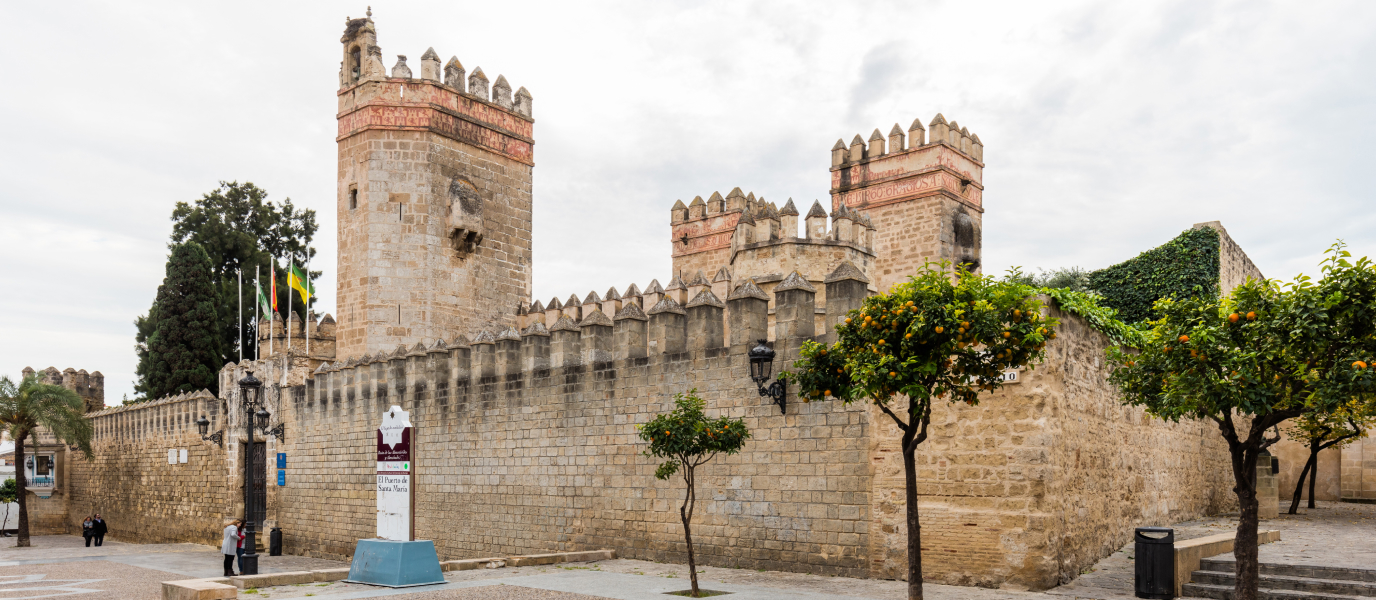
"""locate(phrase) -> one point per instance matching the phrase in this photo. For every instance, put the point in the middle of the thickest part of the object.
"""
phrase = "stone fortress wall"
(527, 443)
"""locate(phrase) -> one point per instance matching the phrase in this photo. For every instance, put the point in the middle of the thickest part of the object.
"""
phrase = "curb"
(219, 588)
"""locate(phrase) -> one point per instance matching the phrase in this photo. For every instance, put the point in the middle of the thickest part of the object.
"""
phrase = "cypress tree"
(183, 350)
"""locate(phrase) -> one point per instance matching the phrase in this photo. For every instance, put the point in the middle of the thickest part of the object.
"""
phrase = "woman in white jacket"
(230, 546)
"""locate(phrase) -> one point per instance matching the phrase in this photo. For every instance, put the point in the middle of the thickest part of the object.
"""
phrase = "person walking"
(98, 529)
(240, 552)
(86, 528)
(232, 547)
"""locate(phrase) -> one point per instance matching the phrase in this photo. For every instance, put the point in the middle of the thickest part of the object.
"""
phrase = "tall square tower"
(434, 199)
(924, 195)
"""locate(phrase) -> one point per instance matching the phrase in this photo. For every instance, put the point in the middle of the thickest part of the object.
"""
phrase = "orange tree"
(688, 438)
(1324, 430)
(934, 337)
(1251, 360)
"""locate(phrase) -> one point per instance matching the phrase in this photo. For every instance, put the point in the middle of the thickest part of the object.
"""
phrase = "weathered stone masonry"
(527, 444)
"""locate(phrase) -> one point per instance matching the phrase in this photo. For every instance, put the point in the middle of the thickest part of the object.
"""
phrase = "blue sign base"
(395, 564)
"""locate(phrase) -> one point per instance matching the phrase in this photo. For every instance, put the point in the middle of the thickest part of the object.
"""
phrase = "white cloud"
(1109, 128)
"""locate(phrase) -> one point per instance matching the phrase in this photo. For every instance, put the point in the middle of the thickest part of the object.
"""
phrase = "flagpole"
(257, 322)
(309, 317)
(240, 273)
(272, 303)
(290, 312)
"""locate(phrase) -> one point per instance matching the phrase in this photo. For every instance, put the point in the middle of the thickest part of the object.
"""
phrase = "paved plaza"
(1334, 534)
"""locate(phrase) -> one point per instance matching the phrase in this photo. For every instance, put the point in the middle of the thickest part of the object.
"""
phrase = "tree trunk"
(914, 526)
(1314, 473)
(1299, 487)
(21, 482)
(686, 512)
(1245, 547)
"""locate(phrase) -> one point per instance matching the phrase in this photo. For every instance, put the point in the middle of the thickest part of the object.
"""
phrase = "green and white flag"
(262, 298)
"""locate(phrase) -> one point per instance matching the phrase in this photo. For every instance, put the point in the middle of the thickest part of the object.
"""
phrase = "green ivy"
(1099, 317)
(1185, 267)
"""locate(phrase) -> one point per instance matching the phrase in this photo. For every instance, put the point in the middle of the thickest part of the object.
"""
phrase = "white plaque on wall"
(182, 458)
(171, 456)
(394, 469)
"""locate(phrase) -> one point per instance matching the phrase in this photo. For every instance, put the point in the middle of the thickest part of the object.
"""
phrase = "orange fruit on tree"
(1233, 318)
(1359, 364)
(1184, 338)
(939, 329)
(1251, 316)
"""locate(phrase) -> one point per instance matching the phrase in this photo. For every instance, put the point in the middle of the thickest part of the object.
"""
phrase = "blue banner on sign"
(281, 460)
(281, 477)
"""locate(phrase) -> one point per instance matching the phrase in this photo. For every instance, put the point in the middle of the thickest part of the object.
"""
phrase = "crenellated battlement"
(599, 333)
(277, 336)
(942, 133)
(159, 419)
(444, 99)
(923, 189)
(90, 386)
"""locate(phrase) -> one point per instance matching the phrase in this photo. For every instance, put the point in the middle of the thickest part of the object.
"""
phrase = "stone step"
(1225, 592)
(1339, 573)
(1285, 582)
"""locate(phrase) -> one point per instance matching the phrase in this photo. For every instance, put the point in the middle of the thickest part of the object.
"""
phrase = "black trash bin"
(275, 542)
(1154, 553)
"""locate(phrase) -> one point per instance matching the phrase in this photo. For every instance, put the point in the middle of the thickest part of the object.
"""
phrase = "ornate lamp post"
(249, 392)
(761, 364)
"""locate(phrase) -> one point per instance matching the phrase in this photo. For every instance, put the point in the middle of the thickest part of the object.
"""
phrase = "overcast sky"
(1109, 128)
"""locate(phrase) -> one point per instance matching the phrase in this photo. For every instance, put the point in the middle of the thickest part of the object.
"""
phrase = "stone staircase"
(1216, 578)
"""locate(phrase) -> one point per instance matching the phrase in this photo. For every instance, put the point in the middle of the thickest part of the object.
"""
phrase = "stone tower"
(923, 194)
(90, 386)
(434, 198)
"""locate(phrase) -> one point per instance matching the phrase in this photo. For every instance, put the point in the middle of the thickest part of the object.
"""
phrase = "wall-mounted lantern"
(218, 437)
(761, 366)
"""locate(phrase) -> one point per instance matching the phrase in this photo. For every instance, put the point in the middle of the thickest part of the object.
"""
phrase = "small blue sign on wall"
(281, 477)
(281, 460)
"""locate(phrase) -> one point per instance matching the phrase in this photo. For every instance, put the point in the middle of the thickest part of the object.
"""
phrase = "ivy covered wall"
(1183, 267)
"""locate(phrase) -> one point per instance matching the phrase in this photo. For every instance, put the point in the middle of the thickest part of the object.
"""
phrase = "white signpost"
(394, 490)
(395, 558)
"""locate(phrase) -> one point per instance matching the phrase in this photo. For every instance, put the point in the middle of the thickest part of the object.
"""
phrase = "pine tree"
(183, 349)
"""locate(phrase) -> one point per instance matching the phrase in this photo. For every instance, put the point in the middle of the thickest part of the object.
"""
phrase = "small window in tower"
(353, 199)
(354, 64)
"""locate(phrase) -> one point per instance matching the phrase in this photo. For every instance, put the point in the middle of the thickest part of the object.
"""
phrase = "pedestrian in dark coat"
(86, 528)
(98, 529)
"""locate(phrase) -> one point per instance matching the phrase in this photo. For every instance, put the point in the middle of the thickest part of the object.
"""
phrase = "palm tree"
(32, 405)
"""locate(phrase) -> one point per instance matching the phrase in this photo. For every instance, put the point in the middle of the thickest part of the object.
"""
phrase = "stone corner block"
(331, 574)
(197, 589)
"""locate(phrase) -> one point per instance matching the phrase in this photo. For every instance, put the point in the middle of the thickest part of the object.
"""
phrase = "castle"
(526, 410)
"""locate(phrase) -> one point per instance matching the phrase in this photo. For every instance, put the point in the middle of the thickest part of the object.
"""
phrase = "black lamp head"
(248, 387)
(761, 362)
(203, 424)
(262, 417)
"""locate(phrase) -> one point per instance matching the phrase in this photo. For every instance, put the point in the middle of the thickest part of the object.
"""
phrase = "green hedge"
(1181, 268)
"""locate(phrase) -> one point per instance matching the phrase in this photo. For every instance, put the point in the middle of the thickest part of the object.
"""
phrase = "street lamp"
(249, 392)
(218, 437)
(761, 364)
